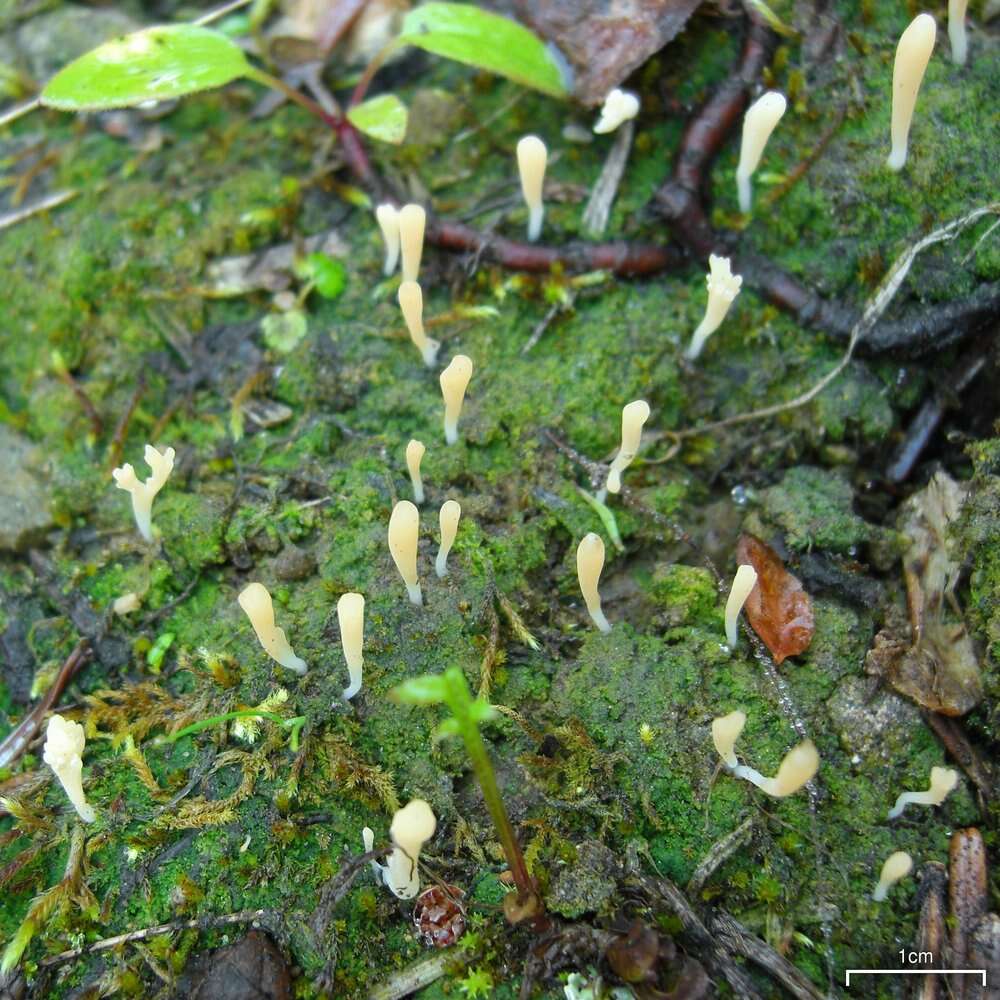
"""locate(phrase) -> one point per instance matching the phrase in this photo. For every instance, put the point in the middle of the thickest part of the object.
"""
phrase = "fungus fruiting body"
(726, 731)
(412, 826)
(454, 381)
(912, 56)
(161, 464)
(387, 216)
(63, 752)
(759, 122)
(448, 518)
(634, 416)
(351, 618)
(797, 767)
(897, 866)
(414, 454)
(412, 221)
(256, 603)
(619, 106)
(956, 31)
(531, 159)
(723, 287)
(743, 583)
(589, 563)
(404, 530)
(126, 604)
(411, 302)
(942, 783)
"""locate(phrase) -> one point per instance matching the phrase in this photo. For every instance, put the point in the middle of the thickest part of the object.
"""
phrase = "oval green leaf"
(383, 118)
(491, 42)
(154, 64)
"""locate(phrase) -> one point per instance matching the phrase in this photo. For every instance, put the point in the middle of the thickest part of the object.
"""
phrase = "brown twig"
(121, 430)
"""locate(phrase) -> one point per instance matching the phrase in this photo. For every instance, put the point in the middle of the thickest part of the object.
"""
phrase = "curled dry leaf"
(778, 609)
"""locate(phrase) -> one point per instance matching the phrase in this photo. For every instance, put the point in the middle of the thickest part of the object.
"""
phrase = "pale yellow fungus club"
(387, 216)
(726, 731)
(414, 455)
(743, 584)
(942, 784)
(913, 53)
(454, 381)
(126, 604)
(532, 157)
(898, 865)
(412, 222)
(619, 106)
(589, 564)
(723, 287)
(956, 31)
(63, 752)
(411, 303)
(759, 122)
(797, 768)
(351, 618)
(634, 416)
(256, 603)
(448, 519)
(404, 532)
(161, 464)
(412, 826)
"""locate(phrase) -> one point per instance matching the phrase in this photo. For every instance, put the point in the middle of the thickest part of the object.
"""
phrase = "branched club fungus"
(797, 767)
(448, 517)
(256, 602)
(387, 216)
(634, 415)
(412, 826)
(956, 31)
(743, 583)
(412, 220)
(723, 287)
(414, 454)
(913, 53)
(619, 106)
(759, 122)
(351, 617)
(63, 752)
(943, 782)
(589, 563)
(531, 159)
(454, 381)
(897, 866)
(161, 465)
(411, 302)
(404, 531)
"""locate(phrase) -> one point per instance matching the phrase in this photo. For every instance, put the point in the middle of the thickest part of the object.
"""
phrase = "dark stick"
(121, 430)
(96, 424)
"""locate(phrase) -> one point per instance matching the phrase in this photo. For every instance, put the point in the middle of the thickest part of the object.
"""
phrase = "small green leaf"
(327, 274)
(383, 118)
(449, 727)
(283, 331)
(482, 711)
(478, 38)
(154, 64)
(430, 689)
(158, 651)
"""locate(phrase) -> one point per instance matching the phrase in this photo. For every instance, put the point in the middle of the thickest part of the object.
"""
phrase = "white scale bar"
(914, 972)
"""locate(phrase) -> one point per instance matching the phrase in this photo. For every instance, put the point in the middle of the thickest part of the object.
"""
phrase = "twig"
(602, 197)
(415, 977)
(36, 207)
(720, 852)
(223, 11)
(541, 326)
(155, 615)
(121, 430)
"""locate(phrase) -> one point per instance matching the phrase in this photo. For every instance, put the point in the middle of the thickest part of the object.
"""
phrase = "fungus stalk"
(412, 221)
(63, 752)
(531, 159)
(454, 381)
(411, 302)
(943, 782)
(412, 826)
(912, 55)
(387, 216)
(726, 731)
(256, 603)
(723, 287)
(797, 767)
(897, 866)
(161, 465)
(404, 530)
(414, 454)
(956, 31)
(619, 106)
(351, 617)
(634, 415)
(589, 563)
(758, 123)
(743, 583)
(450, 512)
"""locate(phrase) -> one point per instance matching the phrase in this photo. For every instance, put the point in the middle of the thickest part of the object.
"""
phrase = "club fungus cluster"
(412, 826)
(63, 752)
(161, 464)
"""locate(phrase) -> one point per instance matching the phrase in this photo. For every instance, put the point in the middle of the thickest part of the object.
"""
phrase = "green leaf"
(491, 42)
(482, 711)
(430, 689)
(449, 727)
(383, 118)
(327, 274)
(154, 64)
(283, 331)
